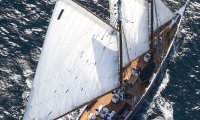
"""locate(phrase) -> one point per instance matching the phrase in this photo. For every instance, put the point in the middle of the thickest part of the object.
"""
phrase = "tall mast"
(120, 42)
(152, 16)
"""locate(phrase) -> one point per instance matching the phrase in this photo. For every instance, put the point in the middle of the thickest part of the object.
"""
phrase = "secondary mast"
(120, 43)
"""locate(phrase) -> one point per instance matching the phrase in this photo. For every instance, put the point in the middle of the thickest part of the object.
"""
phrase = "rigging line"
(152, 20)
(129, 4)
(129, 60)
(126, 51)
(158, 35)
(128, 21)
(156, 15)
(149, 19)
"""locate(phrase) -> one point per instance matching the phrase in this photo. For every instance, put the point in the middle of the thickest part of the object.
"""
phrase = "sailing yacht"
(108, 68)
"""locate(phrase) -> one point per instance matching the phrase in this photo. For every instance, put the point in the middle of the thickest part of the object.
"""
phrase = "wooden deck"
(136, 88)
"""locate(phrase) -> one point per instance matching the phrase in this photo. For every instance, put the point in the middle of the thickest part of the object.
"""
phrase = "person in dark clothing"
(147, 71)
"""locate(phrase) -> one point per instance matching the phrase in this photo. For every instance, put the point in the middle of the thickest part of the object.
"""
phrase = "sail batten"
(78, 63)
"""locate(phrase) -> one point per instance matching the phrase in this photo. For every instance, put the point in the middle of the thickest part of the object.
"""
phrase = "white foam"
(6, 112)
(27, 71)
(5, 70)
(29, 83)
(196, 4)
(25, 94)
(28, 31)
(196, 108)
(174, 2)
(13, 44)
(3, 29)
(160, 103)
(163, 84)
(37, 29)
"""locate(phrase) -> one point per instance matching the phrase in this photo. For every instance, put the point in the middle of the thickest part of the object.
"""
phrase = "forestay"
(79, 62)
(134, 16)
(162, 14)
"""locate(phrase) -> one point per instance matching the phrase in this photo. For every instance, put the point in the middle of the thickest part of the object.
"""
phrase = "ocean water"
(23, 25)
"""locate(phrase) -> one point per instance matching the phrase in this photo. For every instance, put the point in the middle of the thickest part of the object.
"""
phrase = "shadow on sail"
(103, 57)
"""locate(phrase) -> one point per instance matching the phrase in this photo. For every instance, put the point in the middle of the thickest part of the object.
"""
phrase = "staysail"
(134, 17)
(79, 62)
(162, 14)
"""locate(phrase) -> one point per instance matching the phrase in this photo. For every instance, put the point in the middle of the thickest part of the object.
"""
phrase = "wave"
(160, 108)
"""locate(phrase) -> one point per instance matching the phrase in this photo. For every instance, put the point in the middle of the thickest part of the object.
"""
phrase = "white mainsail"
(162, 14)
(134, 16)
(79, 62)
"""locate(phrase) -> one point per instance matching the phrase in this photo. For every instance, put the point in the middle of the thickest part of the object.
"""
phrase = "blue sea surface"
(23, 25)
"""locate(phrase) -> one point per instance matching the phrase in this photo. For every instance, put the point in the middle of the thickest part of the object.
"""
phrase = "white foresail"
(134, 16)
(162, 14)
(113, 12)
(79, 62)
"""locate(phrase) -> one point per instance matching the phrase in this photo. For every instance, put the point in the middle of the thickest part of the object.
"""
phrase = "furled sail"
(79, 62)
(162, 14)
(134, 17)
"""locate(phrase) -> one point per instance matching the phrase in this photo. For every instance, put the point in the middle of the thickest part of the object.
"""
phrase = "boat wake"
(160, 107)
